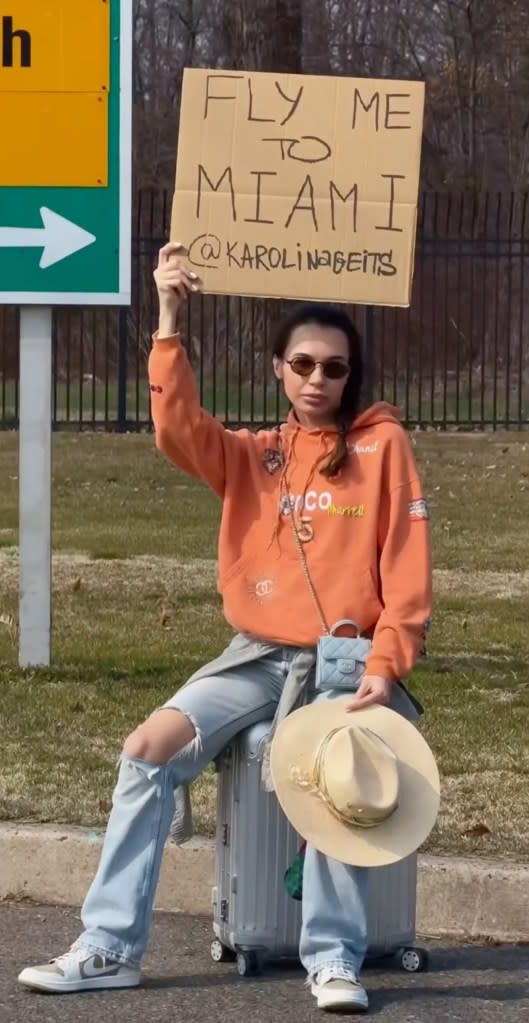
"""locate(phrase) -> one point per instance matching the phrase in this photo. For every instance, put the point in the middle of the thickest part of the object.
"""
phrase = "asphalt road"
(471, 983)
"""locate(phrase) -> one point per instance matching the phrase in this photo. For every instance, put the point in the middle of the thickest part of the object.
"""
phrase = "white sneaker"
(80, 969)
(337, 994)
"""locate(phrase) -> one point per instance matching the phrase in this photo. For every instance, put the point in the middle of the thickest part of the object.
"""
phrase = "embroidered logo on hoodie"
(353, 511)
(261, 589)
(272, 460)
(363, 449)
(311, 501)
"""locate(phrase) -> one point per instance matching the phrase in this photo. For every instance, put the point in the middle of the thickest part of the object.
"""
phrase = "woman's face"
(315, 397)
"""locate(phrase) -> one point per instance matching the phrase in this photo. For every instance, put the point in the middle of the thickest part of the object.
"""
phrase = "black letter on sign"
(267, 120)
(295, 102)
(257, 219)
(282, 143)
(292, 143)
(208, 94)
(396, 113)
(8, 35)
(393, 178)
(202, 173)
(307, 185)
(374, 99)
(344, 198)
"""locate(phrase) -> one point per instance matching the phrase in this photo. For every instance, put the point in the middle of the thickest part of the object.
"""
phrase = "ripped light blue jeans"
(118, 908)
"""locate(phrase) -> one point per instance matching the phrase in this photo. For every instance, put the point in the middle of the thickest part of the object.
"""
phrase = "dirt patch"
(501, 585)
(176, 575)
(168, 575)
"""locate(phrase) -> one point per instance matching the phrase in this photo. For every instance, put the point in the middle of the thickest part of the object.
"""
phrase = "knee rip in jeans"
(136, 749)
(194, 748)
(140, 767)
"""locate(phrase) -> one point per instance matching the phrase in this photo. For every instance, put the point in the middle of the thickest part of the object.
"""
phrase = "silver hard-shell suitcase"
(254, 918)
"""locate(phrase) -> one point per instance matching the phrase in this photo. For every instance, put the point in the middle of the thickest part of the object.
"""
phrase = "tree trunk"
(263, 35)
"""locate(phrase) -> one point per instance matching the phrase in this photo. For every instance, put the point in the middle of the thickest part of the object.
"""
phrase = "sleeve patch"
(418, 509)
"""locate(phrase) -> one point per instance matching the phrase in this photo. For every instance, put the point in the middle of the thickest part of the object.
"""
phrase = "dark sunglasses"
(304, 366)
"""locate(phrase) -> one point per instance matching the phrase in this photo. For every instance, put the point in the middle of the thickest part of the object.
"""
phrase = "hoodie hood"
(380, 412)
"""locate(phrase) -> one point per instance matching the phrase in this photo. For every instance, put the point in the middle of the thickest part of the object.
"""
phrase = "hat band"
(322, 790)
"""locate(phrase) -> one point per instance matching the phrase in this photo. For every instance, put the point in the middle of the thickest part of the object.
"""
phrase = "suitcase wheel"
(221, 953)
(248, 964)
(414, 960)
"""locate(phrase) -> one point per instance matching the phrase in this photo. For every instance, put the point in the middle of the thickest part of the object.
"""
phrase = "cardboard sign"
(298, 186)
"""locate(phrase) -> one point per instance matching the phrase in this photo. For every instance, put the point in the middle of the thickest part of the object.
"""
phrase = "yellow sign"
(299, 186)
(54, 87)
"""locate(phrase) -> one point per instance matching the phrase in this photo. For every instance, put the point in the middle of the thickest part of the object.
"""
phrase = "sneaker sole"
(351, 1008)
(335, 1004)
(32, 979)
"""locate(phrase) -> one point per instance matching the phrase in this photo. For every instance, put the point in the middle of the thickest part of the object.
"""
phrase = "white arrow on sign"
(58, 238)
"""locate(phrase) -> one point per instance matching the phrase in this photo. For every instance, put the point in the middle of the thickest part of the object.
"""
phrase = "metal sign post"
(35, 486)
(65, 225)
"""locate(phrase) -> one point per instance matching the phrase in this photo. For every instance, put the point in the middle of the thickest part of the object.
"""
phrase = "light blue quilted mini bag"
(341, 660)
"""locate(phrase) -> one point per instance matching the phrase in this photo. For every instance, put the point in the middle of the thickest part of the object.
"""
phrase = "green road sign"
(65, 173)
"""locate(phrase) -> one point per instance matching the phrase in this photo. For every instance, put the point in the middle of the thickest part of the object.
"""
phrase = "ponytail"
(338, 455)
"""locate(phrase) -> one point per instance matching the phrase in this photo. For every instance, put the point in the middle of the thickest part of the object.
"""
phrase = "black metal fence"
(457, 358)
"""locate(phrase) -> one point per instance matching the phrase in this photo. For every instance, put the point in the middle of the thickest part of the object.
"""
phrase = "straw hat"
(363, 787)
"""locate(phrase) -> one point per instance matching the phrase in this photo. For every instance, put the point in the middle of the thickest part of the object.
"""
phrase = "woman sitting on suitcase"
(322, 520)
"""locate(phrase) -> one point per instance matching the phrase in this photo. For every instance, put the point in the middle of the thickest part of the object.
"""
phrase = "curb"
(456, 898)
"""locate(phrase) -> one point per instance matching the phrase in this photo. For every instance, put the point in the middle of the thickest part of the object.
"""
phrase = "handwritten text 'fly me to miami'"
(299, 186)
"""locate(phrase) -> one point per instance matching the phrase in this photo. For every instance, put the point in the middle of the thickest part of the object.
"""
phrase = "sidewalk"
(456, 898)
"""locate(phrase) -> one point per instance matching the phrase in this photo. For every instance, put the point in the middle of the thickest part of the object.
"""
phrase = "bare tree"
(472, 54)
(262, 35)
(166, 36)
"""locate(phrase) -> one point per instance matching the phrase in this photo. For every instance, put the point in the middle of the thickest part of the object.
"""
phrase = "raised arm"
(187, 434)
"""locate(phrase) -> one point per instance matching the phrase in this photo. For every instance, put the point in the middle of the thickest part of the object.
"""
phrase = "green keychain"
(294, 875)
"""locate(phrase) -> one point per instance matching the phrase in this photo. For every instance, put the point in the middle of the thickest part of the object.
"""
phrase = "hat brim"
(294, 747)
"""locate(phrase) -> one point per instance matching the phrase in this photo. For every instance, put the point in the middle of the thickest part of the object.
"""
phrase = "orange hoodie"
(369, 558)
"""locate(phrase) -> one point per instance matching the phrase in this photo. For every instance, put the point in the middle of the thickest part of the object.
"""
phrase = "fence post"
(122, 369)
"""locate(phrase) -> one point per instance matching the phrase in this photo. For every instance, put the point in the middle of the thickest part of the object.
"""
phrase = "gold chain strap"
(303, 559)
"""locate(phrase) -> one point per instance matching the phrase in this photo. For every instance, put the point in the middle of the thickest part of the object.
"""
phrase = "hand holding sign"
(174, 282)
